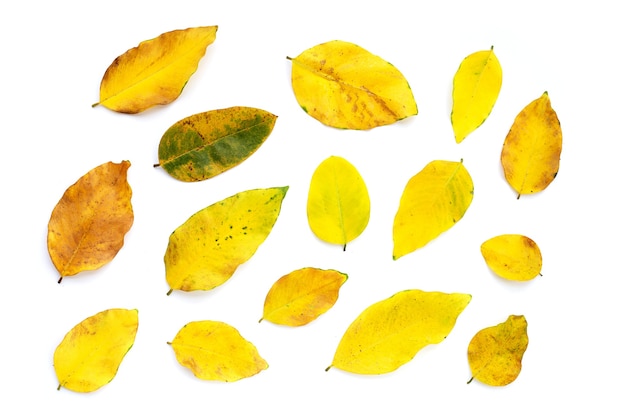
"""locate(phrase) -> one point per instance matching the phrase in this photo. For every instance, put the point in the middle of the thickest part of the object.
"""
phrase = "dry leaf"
(154, 72)
(88, 225)
(342, 85)
(531, 153)
(216, 351)
(91, 353)
(432, 202)
(205, 251)
(476, 86)
(495, 353)
(206, 144)
(514, 257)
(302, 296)
(389, 333)
(338, 205)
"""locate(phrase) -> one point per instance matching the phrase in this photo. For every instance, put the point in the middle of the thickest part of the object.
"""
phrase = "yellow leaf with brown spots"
(303, 295)
(216, 351)
(514, 257)
(531, 153)
(90, 354)
(87, 226)
(345, 86)
(495, 353)
(154, 72)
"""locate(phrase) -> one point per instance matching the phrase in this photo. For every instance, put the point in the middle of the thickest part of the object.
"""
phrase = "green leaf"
(206, 144)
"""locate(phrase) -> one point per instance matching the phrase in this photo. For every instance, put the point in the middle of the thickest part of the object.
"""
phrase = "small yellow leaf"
(495, 353)
(154, 72)
(216, 351)
(432, 202)
(302, 296)
(531, 153)
(205, 251)
(338, 205)
(389, 333)
(91, 353)
(87, 226)
(343, 85)
(476, 86)
(514, 257)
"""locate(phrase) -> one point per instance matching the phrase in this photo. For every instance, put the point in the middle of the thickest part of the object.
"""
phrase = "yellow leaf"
(476, 86)
(338, 206)
(216, 351)
(514, 257)
(205, 251)
(87, 226)
(389, 333)
(531, 152)
(302, 296)
(342, 85)
(495, 353)
(154, 72)
(91, 353)
(432, 202)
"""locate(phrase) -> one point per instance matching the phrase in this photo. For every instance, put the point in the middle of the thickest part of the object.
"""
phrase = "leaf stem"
(170, 291)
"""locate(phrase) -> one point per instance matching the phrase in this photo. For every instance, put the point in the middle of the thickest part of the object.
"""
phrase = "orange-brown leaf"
(88, 225)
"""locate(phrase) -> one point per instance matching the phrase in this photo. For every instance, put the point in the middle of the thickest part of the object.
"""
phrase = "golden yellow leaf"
(495, 353)
(216, 351)
(338, 205)
(476, 86)
(432, 202)
(531, 153)
(302, 296)
(206, 144)
(91, 353)
(342, 85)
(389, 333)
(154, 72)
(205, 251)
(514, 257)
(87, 226)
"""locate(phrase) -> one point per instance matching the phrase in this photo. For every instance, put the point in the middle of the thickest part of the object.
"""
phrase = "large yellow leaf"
(432, 202)
(476, 86)
(87, 226)
(531, 153)
(155, 71)
(338, 205)
(206, 144)
(514, 257)
(216, 351)
(389, 333)
(91, 353)
(302, 296)
(205, 251)
(495, 353)
(342, 85)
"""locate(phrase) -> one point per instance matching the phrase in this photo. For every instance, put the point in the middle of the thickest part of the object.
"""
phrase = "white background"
(53, 57)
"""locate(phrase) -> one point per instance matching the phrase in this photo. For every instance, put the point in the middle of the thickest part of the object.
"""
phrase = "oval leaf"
(513, 257)
(476, 86)
(216, 351)
(206, 144)
(205, 251)
(495, 353)
(342, 85)
(154, 72)
(432, 202)
(302, 296)
(389, 333)
(338, 205)
(91, 353)
(531, 153)
(87, 226)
